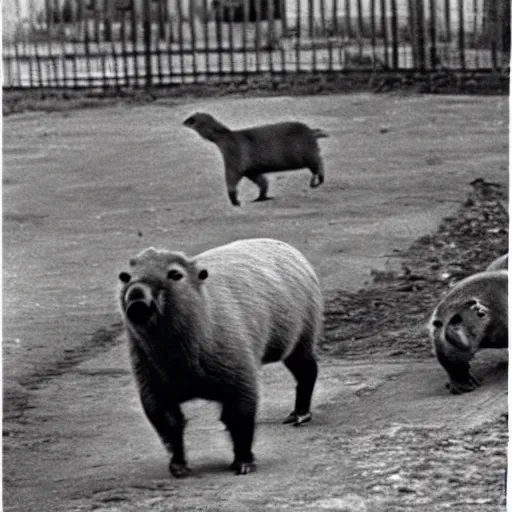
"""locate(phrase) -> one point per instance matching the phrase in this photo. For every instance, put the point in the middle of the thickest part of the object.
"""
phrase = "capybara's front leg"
(232, 180)
(240, 421)
(461, 378)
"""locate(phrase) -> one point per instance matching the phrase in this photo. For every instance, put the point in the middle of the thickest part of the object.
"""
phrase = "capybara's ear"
(174, 274)
(125, 277)
(203, 274)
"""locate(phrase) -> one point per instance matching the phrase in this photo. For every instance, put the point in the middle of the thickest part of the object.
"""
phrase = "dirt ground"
(84, 190)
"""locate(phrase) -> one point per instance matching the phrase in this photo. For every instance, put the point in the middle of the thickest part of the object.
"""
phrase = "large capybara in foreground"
(201, 327)
(254, 151)
(473, 315)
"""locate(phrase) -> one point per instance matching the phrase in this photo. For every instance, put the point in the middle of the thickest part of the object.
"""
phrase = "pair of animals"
(252, 152)
(201, 327)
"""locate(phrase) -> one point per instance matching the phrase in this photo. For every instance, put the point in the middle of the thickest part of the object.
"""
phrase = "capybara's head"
(157, 282)
(461, 324)
(206, 126)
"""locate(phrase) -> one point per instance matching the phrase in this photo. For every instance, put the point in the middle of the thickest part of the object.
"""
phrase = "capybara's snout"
(139, 305)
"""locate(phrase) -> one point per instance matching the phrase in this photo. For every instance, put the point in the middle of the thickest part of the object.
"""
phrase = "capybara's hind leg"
(240, 422)
(302, 363)
(318, 174)
(262, 183)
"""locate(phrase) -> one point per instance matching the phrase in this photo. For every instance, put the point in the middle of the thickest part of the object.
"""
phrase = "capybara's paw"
(243, 468)
(316, 180)
(179, 470)
(262, 198)
(458, 387)
(297, 419)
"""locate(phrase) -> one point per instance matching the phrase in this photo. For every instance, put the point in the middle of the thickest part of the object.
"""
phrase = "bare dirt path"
(84, 190)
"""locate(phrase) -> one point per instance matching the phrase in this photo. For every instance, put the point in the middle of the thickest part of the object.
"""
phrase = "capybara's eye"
(125, 277)
(456, 319)
(174, 274)
(203, 274)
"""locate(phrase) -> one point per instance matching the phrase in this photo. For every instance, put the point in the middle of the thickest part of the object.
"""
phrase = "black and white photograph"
(255, 255)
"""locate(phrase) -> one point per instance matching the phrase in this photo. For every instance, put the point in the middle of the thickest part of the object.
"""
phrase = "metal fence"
(105, 43)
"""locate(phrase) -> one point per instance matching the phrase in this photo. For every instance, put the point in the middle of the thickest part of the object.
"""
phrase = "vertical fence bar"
(492, 25)
(412, 31)
(420, 33)
(74, 45)
(134, 40)
(117, 77)
(448, 21)
(335, 27)
(503, 31)
(193, 35)
(394, 35)
(231, 40)
(161, 20)
(257, 5)
(62, 37)
(270, 35)
(348, 20)
(245, 25)
(373, 30)
(35, 43)
(206, 36)
(181, 49)
(146, 27)
(323, 31)
(49, 30)
(169, 46)
(475, 33)
(384, 30)
(299, 36)
(122, 36)
(461, 41)
(102, 49)
(20, 25)
(360, 20)
(311, 19)
(313, 35)
(432, 34)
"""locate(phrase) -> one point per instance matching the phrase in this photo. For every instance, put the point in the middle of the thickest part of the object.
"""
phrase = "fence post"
(146, 25)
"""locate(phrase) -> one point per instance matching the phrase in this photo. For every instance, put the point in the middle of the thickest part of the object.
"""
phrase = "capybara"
(473, 315)
(254, 151)
(500, 263)
(201, 327)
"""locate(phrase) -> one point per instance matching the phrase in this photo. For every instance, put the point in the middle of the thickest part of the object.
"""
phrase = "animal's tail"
(319, 133)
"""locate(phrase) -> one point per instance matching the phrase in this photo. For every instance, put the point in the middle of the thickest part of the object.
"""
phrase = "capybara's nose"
(139, 306)
(139, 311)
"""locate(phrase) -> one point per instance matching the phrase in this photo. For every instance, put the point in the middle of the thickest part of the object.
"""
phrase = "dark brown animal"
(201, 327)
(473, 315)
(252, 152)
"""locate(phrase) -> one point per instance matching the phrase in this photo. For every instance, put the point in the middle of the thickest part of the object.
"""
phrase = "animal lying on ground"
(473, 315)
(201, 327)
(254, 151)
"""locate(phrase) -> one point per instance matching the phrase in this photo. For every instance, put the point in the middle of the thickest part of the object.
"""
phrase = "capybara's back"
(280, 146)
(270, 289)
